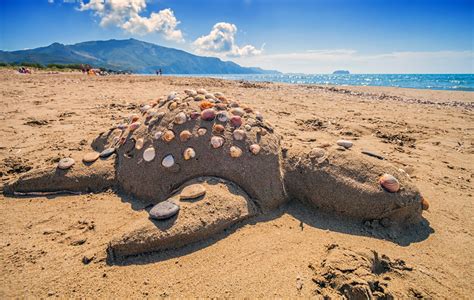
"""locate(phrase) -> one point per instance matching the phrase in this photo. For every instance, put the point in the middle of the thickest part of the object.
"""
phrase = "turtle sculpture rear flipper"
(223, 204)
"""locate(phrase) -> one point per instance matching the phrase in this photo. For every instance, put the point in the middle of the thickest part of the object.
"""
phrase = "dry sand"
(44, 240)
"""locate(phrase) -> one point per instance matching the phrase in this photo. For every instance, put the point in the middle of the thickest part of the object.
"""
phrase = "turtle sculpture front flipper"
(236, 157)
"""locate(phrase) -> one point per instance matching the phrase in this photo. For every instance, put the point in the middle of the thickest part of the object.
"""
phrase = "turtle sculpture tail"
(79, 178)
(352, 184)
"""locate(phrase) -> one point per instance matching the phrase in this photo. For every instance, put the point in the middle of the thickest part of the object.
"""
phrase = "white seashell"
(217, 141)
(152, 112)
(201, 131)
(168, 161)
(149, 154)
(218, 95)
(235, 151)
(180, 118)
(255, 149)
(222, 116)
(191, 93)
(248, 127)
(259, 116)
(145, 108)
(239, 134)
(202, 91)
(158, 135)
(139, 144)
(189, 153)
(237, 111)
(172, 95)
(344, 143)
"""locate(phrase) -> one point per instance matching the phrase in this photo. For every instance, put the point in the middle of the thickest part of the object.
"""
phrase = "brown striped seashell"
(185, 135)
(208, 114)
(236, 121)
(180, 118)
(134, 126)
(205, 105)
(201, 131)
(389, 183)
(425, 205)
(255, 149)
(189, 153)
(239, 134)
(217, 142)
(237, 111)
(139, 143)
(168, 136)
(218, 128)
(235, 151)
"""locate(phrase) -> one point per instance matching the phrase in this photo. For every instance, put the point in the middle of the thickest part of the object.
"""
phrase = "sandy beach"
(55, 246)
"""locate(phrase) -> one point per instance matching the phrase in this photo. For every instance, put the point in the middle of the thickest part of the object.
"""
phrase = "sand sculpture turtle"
(220, 162)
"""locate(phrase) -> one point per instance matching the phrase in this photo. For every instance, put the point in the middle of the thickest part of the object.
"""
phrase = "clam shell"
(168, 136)
(389, 183)
(217, 142)
(220, 106)
(180, 118)
(139, 143)
(134, 126)
(189, 153)
(201, 131)
(255, 149)
(107, 152)
(235, 151)
(172, 106)
(208, 114)
(218, 128)
(233, 104)
(168, 161)
(164, 210)
(344, 143)
(65, 163)
(192, 191)
(236, 121)
(90, 157)
(149, 154)
(239, 134)
(237, 111)
(158, 135)
(185, 135)
(319, 154)
(222, 116)
(201, 91)
(199, 98)
(205, 105)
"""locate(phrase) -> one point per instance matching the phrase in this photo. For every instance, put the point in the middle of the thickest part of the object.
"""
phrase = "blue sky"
(318, 36)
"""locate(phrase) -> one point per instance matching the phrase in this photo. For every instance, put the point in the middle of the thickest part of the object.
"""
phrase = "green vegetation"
(42, 67)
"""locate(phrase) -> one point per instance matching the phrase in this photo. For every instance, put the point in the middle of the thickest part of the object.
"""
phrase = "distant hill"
(133, 55)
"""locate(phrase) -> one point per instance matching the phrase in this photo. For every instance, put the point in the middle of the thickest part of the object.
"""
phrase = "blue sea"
(453, 82)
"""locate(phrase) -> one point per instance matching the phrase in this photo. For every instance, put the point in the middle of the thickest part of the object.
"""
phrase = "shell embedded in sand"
(145, 108)
(235, 151)
(192, 191)
(189, 153)
(158, 135)
(133, 118)
(134, 126)
(164, 210)
(205, 105)
(425, 205)
(319, 154)
(259, 116)
(222, 116)
(209, 96)
(217, 141)
(168, 161)
(218, 128)
(194, 115)
(180, 118)
(255, 149)
(65, 163)
(199, 98)
(236, 121)
(262, 132)
(190, 92)
(201, 91)
(218, 95)
(107, 152)
(220, 106)
(237, 111)
(248, 127)
(208, 114)
(389, 183)
(168, 136)
(233, 104)
(172, 106)
(90, 157)
(172, 95)
(139, 143)
(201, 131)
(239, 134)
(185, 135)
(344, 143)
(149, 154)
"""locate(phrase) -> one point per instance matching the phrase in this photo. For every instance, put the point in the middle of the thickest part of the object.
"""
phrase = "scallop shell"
(168, 161)
(201, 91)
(107, 152)
(65, 163)
(201, 131)
(149, 154)
(222, 116)
(255, 149)
(389, 183)
(236, 121)
(237, 111)
(218, 128)
(235, 151)
(180, 118)
(185, 135)
(239, 134)
(168, 136)
(208, 114)
(205, 105)
(189, 153)
(134, 126)
(217, 142)
(158, 135)
(139, 144)
(425, 205)
(344, 143)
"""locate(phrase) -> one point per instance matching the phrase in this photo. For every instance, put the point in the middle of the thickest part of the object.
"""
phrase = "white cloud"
(125, 14)
(221, 41)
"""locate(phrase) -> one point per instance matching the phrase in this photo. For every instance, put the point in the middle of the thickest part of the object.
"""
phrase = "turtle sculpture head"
(199, 137)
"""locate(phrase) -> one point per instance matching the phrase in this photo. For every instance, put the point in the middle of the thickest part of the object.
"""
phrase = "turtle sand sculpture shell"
(235, 158)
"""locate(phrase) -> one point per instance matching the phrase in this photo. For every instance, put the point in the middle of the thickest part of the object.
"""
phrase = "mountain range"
(130, 55)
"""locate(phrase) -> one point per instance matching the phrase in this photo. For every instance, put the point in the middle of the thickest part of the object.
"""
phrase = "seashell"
(115, 140)
(201, 91)
(319, 154)
(133, 118)
(180, 118)
(189, 153)
(191, 93)
(172, 106)
(258, 116)
(192, 191)
(199, 98)
(236, 121)
(177, 99)
(90, 157)
(237, 111)
(208, 114)
(65, 163)
(147, 120)
(158, 135)
(220, 106)
(248, 127)
(217, 142)
(205, 105)
(209, 96)
(218, 95)
(235, 151)
(248, 109)
(145, 108)
(149, 154)
(168, 161)
(107, 152)
(134, 126)
(194, 115)
(168, 136)
(185, 135)
(344, 143)
(255, 149)
(239, 134)
(222, 116)
(171, 96)
(425, 205)
(201, 131)
(389, 183)
(139, 144)
(261, 132)
(122, 126)
(218, 128)
(164, 210)
(233, 104)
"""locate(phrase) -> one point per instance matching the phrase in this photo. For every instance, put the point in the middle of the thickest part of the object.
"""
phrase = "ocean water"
(454, 82)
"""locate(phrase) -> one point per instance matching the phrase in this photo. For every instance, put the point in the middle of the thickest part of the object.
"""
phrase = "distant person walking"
(158, 72)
